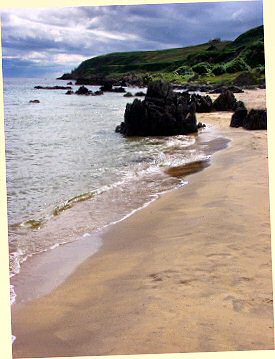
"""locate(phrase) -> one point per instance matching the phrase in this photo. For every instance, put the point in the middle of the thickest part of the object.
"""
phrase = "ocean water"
(69, 174)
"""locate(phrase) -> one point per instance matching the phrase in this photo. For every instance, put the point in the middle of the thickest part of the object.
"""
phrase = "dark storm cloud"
(27, 68)
(61, 38)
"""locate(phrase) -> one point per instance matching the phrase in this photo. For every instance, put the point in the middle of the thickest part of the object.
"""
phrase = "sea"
(69, 174)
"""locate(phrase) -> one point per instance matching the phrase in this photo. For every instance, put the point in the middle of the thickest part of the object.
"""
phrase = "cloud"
(52, 38)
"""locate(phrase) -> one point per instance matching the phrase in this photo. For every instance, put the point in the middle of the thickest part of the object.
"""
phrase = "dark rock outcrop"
(70, 83)
(98, 93)
(235, 89)
(107, 86)
(128, 94)
(34, 101)
(118, 89)
(201, 125)
(221, 89)
(256, 120)
(82, 90)
(140, 94)
(245, 79)
(52, 87)
(225, 102)
(203, 103)
(239, 115)
(161, 113)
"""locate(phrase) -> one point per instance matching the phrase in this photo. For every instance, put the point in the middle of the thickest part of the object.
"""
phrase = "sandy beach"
(191, 272)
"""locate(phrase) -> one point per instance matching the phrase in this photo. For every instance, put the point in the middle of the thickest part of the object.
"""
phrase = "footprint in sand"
(239, 305)
(168, 278)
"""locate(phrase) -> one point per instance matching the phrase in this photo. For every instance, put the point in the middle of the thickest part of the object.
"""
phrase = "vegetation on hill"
(212, 62)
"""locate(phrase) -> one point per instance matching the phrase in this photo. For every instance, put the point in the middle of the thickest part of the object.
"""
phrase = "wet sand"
(191, 272)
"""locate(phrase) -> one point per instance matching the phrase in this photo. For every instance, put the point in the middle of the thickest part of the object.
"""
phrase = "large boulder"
(256, 120)
(245, 78)
(82, 91)
(69, 92)
(128, 94)
(203, 103)
(140, 94)
(118, 89)
(98, 93)
(239, 115)
(161, 113)
(107, 86)
(225, 102)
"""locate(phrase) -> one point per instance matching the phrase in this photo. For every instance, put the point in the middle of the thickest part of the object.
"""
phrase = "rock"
(82, 90)
(235, 89)
(161, 113)
(34, 101)
(239, 115)
(118, 89)
(256, 120)
(121, 83)
(128, 94)
(201, 125)
(140, 94)
(98, 93)
(244, 79)
(218, 89)
(205, 88)
(52, 87)
(203, 103)
(69, 92)
(70, 83)
(221, 89)
(225, 102)
(107, 86)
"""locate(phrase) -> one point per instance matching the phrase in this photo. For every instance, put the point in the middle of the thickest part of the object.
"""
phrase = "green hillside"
(210, 62)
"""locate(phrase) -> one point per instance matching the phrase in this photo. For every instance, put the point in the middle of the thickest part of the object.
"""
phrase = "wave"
(153, 175)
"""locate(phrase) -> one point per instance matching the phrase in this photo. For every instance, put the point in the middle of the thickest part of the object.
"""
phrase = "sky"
(49, 42)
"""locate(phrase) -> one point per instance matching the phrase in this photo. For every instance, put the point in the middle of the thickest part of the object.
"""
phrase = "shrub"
(259, 70)
(184, 70)
(254, 54)
(236, 65)
(202, 68)
(218, 69)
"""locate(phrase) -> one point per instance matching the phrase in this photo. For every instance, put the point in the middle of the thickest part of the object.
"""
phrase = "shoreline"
(38, 267)
(76, 252)
(181, 269)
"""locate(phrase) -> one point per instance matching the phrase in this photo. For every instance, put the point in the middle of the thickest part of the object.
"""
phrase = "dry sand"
(191, 272)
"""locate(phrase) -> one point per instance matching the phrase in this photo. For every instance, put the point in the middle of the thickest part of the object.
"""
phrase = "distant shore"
(190, 272)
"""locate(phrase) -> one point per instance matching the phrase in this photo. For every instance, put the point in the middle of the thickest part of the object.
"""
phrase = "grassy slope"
(176, 64)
